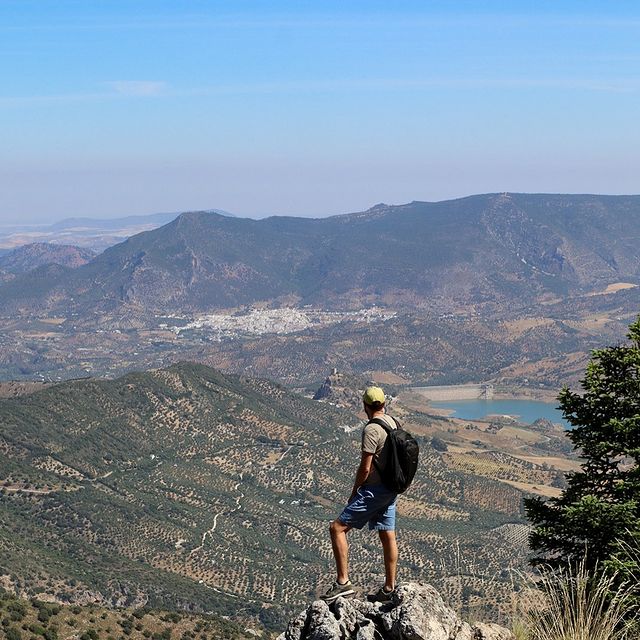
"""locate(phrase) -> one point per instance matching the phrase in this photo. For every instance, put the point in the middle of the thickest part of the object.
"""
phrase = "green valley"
(187, 488)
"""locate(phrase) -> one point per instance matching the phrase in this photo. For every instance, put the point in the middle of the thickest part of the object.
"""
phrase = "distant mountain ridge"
(95, 234)
(37, 254)
(479, 251)
(116, 223)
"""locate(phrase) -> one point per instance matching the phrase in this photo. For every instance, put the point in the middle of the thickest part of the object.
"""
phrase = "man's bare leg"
(390, 552)
(340, 547)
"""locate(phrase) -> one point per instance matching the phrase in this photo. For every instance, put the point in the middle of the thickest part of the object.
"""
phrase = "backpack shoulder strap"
(383, 424)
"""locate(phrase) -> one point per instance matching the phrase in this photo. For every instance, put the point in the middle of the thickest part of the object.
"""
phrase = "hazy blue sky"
(111, 107)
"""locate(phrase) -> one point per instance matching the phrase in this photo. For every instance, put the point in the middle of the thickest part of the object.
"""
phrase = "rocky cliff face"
(417, 612)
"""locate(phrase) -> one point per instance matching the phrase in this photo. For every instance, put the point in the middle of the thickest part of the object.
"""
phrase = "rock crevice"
(417, 612)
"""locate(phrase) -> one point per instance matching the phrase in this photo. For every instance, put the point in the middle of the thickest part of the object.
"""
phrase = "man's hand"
(364, 469)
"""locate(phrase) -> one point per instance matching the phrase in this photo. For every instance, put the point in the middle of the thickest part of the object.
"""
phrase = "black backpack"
(402, 457)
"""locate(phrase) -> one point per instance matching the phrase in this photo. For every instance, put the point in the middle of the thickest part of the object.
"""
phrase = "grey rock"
(295, 628)
(322, 624)
(489, 631)
(417, 612)
(420, 614)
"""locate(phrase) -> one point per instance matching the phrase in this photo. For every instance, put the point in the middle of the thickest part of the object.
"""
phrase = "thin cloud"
(612, 85)
(130, 89)
(138, 87)
(48, 99)
(115, 90)
(345, 20)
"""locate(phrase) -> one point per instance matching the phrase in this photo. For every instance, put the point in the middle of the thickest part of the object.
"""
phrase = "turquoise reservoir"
(525, 411)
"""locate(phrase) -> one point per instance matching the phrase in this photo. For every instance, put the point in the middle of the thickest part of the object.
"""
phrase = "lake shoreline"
(519, 410)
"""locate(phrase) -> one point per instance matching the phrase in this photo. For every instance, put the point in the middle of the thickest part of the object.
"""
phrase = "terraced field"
(187, 488)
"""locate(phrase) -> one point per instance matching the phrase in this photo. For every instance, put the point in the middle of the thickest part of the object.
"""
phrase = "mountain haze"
(91, 233)
(37, 254)
(482, 250)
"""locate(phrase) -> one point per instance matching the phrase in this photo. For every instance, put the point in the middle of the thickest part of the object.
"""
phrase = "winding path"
(210, 531)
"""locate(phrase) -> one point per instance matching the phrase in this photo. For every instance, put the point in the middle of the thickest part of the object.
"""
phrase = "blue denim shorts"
(373, 504)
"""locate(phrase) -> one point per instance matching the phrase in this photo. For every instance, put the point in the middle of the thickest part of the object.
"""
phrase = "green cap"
(373, 395)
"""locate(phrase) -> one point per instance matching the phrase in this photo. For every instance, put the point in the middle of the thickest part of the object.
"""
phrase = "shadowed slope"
(481, 250)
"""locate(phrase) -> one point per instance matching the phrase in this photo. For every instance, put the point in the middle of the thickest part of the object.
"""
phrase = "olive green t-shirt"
(373, 439)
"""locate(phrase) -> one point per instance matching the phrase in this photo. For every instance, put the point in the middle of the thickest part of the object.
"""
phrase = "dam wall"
(456, 392)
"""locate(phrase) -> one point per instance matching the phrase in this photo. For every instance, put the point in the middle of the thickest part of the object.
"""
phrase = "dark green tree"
(598, 513)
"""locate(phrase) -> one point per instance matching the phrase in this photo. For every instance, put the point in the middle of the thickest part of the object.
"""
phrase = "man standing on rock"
(370, 502)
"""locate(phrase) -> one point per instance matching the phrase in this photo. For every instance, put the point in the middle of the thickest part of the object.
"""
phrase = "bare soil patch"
(517, 327)
(538, 489)
(615, 286)
(561, 464)
(388, 377)
(54, 321)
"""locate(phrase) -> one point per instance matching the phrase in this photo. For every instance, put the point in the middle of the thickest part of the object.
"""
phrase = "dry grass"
(539, 489)
(554, 462)
(613, 288)
(387, 377)
(521, 434)
(578, 606)
(516, 328)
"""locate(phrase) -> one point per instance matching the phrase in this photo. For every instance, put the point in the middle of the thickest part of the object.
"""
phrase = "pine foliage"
(599, 511)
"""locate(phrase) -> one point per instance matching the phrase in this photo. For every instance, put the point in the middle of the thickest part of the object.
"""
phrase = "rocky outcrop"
(342, 390)
(417, 612)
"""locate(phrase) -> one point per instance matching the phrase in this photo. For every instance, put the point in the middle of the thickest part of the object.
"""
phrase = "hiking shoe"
(337, 590)
(381, 595)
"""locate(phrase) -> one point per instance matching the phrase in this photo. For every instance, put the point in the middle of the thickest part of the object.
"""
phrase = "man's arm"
(364, 469)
